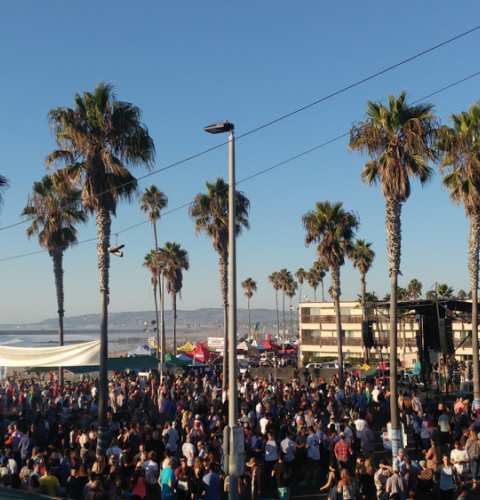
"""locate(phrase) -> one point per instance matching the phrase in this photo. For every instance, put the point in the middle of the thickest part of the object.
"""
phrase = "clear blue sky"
(187, 64)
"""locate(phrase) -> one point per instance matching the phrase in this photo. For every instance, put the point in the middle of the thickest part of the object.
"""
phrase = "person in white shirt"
(288, 448)
(360, 424)
(459, 459)
(263, 423)
(188, 451)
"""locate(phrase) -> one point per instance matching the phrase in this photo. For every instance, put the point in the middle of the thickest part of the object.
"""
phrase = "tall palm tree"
(210, 213)
(249, 286)
(320, 269)
(414, 289)
(285, 277)
(151, 262)
(301, 276)
(274, 279)
(152, 202)
(399, 138)
(460, 162)
(362, 257)
(174, 261)
(332, 228)
(55, 209)
(98, 140)
(290, 291)
(313, 281)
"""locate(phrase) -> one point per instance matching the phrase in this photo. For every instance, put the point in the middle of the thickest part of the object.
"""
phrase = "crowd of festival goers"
(304, 435)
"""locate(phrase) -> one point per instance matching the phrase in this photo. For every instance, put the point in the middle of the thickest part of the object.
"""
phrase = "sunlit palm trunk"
(284, 317)
(249, 319)
(393, 225)
(323, 291)
(57, 257)
(291, 317)
(174, 311)
(338, 320)
(363, 291)
(473, 248)
(223, 262)
(157, 323)
(103, 220)
(277, 313)
(163, 342)
(157, 288)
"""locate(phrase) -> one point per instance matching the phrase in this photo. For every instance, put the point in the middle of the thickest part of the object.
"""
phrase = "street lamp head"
(219, 128)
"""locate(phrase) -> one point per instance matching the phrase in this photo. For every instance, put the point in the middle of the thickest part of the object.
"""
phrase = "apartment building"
(318, 334)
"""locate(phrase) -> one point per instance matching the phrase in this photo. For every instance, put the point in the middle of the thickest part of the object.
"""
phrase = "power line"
(255, 174)
(280, 118)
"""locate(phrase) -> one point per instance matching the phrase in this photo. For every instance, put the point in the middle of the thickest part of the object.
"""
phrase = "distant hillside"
(196, 319)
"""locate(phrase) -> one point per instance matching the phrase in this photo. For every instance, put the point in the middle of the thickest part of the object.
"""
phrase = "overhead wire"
(284, 116)
(255, 174)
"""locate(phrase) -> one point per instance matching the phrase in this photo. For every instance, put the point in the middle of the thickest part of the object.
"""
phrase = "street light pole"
(233, 466)
(234, 459)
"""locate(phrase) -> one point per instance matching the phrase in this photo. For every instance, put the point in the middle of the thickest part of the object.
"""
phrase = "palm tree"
(290, 291)
(301, 276)
(98, 140)
(285, 277)
(151, 262)
(152, 202)
(362, 257)
(55, 208)
(3, 185)
(332, 228)
(320, 269)
(249, 286)
(399, 138)
(314, 281)
(414, 289)
(174, 260)
(370, 297)
(444, 291)
(462, 295)
(274, 279)
(210, 213)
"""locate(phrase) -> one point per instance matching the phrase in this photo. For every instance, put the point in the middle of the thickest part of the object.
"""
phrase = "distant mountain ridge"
(186, 319)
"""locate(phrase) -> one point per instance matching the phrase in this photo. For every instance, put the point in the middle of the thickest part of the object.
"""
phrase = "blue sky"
(186, 64)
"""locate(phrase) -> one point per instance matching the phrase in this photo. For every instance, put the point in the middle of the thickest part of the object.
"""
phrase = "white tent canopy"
(84, 354)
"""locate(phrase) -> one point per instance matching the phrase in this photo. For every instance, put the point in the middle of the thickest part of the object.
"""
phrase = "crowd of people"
(305, 434)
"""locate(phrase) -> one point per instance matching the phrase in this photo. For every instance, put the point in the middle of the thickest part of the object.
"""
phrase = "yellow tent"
(188, 347)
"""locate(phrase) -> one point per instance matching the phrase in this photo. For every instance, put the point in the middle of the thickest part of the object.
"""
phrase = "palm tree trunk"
(249, 320)
(57, 257)
(284, 317)
(473, 248)
(315, 294)
(174, 311)
(278, 316)
(163, 343)
(394, 235)
(338, 321)
(291, 317)
(323, 291)
(103, 221)
(300, 286)
(157, 323)
(223, 263)
(363, 291)
(157, 289)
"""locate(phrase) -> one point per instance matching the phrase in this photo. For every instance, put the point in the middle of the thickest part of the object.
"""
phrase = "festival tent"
(188, 360)
(83, 354)
(137, 363)
(187, 347)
